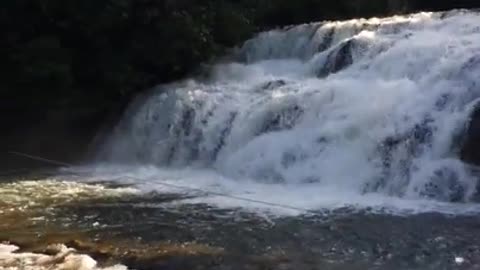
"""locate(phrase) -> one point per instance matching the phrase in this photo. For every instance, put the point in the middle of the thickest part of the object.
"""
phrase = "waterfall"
(366, 105)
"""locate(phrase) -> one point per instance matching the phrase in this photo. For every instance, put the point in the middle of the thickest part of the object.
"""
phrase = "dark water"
(338, 241)
(147, 232)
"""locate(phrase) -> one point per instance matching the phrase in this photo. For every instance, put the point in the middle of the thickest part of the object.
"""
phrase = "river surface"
(175, 230)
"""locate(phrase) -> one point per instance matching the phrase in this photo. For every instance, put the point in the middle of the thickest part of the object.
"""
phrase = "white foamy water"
(31, 194)
(362, 112)
(209, 187)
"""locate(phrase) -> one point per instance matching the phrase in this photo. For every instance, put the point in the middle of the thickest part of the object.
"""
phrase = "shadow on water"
(155, 231)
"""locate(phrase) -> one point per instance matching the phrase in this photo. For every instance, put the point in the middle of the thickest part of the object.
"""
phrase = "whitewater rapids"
(360, 112)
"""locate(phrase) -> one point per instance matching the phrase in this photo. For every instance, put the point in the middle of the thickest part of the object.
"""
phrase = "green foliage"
(57, 52)
(109, 49)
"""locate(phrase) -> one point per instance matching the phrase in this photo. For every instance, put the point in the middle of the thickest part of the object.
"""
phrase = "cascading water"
(359, 107)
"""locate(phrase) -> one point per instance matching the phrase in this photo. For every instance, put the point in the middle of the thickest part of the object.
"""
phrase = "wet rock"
(338, 59)
(181, 131)
(397, 153)
(63, 259)
(470, 148)
(326, 41)
(273, 85)
(284, 119)
(132, 252)
(470, 151)
(444, 186)
(224, 134)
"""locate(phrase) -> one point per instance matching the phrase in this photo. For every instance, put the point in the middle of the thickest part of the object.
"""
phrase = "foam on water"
(38, 198)
(209, 187)
(33, 193)
(362, 112)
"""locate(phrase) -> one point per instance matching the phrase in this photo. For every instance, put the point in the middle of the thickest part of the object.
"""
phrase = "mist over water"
(361, 112)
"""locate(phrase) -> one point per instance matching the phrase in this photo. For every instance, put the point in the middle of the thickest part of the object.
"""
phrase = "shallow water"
(116, 223)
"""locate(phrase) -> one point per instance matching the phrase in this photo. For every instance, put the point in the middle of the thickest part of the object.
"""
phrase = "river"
(330, 145)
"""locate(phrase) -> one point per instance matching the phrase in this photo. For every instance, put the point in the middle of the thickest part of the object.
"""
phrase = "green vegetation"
(58, 53)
